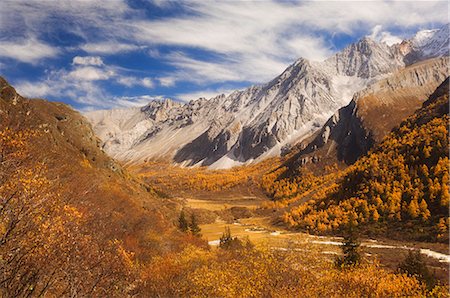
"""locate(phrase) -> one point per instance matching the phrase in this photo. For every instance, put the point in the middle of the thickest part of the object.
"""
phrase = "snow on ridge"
(254, 123)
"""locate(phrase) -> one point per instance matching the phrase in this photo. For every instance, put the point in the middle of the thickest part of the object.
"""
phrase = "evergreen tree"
(182, 222)
(350, 249)
(229, 242)
(193, 226)
(413, 265)
(226, 238)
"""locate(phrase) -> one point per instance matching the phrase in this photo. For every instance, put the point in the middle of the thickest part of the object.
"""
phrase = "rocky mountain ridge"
(259, 121)
(371, 114)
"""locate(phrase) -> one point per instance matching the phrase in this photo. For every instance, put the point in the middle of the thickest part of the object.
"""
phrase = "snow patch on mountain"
(260, 121)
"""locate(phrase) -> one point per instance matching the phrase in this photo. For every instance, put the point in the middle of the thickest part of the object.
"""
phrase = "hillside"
(398, 190)
(72, 205)
(74, 224)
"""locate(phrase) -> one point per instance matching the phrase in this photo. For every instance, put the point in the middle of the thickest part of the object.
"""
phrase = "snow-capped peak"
(431, 43)
(257, 122)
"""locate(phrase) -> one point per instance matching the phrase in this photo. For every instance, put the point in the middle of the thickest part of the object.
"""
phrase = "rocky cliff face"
(372, 113)
(254, 123)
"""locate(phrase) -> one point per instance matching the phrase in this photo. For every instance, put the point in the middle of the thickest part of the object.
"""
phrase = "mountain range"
(267, 120)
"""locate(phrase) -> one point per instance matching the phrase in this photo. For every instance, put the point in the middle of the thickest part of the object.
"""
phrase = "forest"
(402, 184)
(74, 223)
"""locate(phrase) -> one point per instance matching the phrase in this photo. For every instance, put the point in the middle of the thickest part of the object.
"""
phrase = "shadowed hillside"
(399, 189)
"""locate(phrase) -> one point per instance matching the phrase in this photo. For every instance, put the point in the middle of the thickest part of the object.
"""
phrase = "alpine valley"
(331, 180)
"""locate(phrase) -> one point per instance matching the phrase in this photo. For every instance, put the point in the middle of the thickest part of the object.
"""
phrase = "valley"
(209, 165)
(250, 220)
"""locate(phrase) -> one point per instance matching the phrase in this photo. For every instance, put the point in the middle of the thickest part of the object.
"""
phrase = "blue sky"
(99, 54)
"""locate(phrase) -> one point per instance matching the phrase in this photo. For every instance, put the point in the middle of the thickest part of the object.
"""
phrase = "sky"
(103, 54)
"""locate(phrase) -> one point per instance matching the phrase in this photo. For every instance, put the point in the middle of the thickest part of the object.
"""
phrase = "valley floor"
(238, 208)
(261, 231)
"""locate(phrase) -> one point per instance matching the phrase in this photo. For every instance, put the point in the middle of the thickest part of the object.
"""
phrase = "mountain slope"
(428, 44)
(260, 121)
(70, 203)
(400, 189)
(249, 124)
(371, 114)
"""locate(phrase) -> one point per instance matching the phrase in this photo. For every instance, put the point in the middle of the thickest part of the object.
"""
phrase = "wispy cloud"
(108, 47)
(167, 81)
(81, 84)
(384, 36)
(256, 40)
(87, 60)
(29, 50)
(202, 43)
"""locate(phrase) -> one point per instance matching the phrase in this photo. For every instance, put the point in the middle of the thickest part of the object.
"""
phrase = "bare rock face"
(367, 59)
(259, 121)
(373, 112)
(7, 92)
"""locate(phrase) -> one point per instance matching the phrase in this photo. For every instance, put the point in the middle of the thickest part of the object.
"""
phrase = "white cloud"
(28, 50)
(256, 40)
(80, 83)
(108, 47)
(384, 36)
(89, 73)
(131, 81)
(234, 40)
(167, 81)
(127, 81)
(200, 71)
(88, 60)
(33, 90)
(147, 82)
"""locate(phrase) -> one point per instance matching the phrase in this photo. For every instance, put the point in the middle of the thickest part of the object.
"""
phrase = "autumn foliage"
(403, 182)
(264, 272)
(44, 246)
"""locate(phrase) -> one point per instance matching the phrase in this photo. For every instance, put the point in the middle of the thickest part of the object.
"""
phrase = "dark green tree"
(414, 265)
(182, 222)
(194, 227)
(350, 249)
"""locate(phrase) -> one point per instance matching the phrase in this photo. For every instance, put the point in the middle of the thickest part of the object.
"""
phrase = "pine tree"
(423, 206)
(226, 238)
(375, 215)
(193, 226)
(413, 265)
(182, 222)
(350, 249)
(229, 242)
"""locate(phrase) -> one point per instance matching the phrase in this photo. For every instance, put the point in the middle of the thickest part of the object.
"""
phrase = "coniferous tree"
(350, 249)
(226, 237)
(182, 222)
(194, 227)
(229, 242)
(413, 265)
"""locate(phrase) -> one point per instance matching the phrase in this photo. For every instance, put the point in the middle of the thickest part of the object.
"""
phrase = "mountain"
(399, 189)
(428, 44)
(371, 114)
(260, 121)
